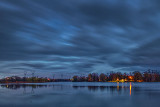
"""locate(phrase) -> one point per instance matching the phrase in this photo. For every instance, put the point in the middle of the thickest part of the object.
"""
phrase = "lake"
(80, 94)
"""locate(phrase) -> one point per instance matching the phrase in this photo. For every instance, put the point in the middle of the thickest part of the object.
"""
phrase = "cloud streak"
(79, 36)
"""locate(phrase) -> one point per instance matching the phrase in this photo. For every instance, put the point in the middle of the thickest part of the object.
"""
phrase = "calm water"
(83, 94)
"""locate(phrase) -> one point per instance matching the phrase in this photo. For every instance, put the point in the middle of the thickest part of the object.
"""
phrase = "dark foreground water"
(83, 94)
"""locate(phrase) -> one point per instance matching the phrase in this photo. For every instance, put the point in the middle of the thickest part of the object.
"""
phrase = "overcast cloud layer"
(78, 36)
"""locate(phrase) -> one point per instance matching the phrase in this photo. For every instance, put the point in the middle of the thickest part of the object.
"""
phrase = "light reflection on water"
(130, 88)
(81, 94)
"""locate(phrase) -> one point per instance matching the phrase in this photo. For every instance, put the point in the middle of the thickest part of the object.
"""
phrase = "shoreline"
(71, 81)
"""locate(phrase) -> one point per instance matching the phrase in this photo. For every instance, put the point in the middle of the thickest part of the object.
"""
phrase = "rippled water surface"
(80, 94)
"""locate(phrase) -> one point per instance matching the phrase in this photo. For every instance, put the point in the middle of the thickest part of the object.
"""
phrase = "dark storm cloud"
(79, 36)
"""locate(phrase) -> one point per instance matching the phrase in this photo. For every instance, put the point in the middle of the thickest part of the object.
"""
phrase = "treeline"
(16, 79)
(148, 76)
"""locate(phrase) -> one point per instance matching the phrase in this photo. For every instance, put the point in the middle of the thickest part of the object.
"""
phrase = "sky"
(78, 36)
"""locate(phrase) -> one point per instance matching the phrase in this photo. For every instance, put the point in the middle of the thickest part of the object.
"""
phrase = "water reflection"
(117, 86)
(130, 88)
(25, 87)
(18, 86)
(34, 87)
(80, 95)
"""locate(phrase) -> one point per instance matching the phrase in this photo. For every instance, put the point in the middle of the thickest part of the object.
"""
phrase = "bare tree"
(25, 73)
(53, 75)
(33, 72)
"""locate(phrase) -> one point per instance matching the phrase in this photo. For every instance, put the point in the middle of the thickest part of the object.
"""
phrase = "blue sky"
(78, 37)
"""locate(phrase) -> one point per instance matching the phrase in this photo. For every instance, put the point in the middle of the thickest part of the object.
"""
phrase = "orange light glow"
(118, 86)
(130, 88)
(130, 77)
